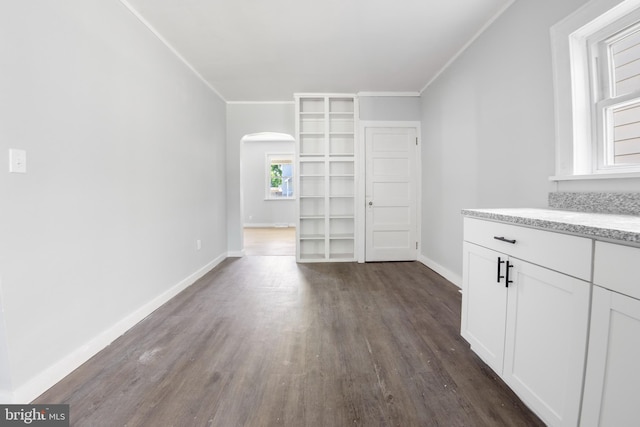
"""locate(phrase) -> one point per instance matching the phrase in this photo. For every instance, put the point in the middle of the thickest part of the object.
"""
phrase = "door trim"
(361, 181)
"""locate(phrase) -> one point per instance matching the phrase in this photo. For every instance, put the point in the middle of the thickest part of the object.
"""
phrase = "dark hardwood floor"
(263, 341)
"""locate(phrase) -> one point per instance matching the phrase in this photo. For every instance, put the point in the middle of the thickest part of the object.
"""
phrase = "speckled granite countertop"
(620, 228)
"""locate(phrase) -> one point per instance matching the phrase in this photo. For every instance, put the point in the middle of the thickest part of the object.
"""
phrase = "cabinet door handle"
(503, 239)
(507, 281)
(500, 261)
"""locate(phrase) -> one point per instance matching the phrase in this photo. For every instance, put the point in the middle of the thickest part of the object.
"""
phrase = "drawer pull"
(502, 239)
(500, 262)
(507, 280)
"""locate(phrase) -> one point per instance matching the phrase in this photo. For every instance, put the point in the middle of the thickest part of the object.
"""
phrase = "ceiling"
(267, 50)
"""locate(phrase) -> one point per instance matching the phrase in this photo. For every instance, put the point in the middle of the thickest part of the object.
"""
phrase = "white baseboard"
(454, 278)
(50, 376)
(235, 254)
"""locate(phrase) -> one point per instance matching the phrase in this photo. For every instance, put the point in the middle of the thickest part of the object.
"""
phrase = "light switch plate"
(17, 161)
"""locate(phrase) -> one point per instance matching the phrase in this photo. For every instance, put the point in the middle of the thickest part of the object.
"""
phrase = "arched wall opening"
(267, 193)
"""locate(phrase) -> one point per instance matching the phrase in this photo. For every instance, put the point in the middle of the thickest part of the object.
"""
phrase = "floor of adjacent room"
(269, 241)
(262, 341)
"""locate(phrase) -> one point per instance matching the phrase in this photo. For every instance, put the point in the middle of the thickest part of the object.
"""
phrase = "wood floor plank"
(263, 341)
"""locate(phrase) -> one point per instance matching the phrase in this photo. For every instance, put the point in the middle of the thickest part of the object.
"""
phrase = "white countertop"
(620, 228)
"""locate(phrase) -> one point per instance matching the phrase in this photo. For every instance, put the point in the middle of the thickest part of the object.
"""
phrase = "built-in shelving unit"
(325, 148)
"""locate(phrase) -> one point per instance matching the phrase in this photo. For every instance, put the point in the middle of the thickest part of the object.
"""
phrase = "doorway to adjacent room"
(267, 177)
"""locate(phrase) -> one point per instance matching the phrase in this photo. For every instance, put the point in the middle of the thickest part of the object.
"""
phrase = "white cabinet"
(325, 148)
(526, 321)
(545, 341)
(611, 396)
(484, 304)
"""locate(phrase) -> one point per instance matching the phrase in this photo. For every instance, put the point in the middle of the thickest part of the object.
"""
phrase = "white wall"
(244, 119)
(488, 127)
(126, 169)
(256, 210)
(391, 108)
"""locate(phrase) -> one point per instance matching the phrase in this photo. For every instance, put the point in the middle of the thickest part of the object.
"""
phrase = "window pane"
(625, 55)
(287, 180)
(626, 134)
(281, 180)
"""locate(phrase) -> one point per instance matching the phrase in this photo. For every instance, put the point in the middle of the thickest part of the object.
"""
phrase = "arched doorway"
(267, 199)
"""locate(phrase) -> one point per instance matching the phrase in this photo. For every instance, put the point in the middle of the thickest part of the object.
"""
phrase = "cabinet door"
(611, 396)
(545, 342)
(484, 302)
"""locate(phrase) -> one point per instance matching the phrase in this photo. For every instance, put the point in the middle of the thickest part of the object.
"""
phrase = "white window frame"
(578, 152)
(603, 98)
(269, 158)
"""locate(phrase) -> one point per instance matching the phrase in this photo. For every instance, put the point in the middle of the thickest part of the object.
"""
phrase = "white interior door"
(391, 193)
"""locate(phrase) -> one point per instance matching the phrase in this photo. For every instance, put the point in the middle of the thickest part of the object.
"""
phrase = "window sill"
(620, 175)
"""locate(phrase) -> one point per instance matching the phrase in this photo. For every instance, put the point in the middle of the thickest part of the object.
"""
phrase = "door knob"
(370, 203)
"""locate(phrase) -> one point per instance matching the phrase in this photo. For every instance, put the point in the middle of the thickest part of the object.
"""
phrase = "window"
(597, 82)
(615, 75)
(279, 177)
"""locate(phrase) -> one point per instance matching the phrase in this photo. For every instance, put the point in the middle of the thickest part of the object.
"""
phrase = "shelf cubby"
(312, 186)
(341, 227)
(311, 207)
(312, 105)
(311, 250)
(341, 124)
(311, 168)
(341, 186)
(342, 105)
(341, 249)
(312, 123)
(341, 168)
(341, 144)
(342, 207)
(312, 144)
(312, 228)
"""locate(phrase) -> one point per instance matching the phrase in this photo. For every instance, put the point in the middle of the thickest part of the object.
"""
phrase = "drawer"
(617, 268)
(560, 252)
